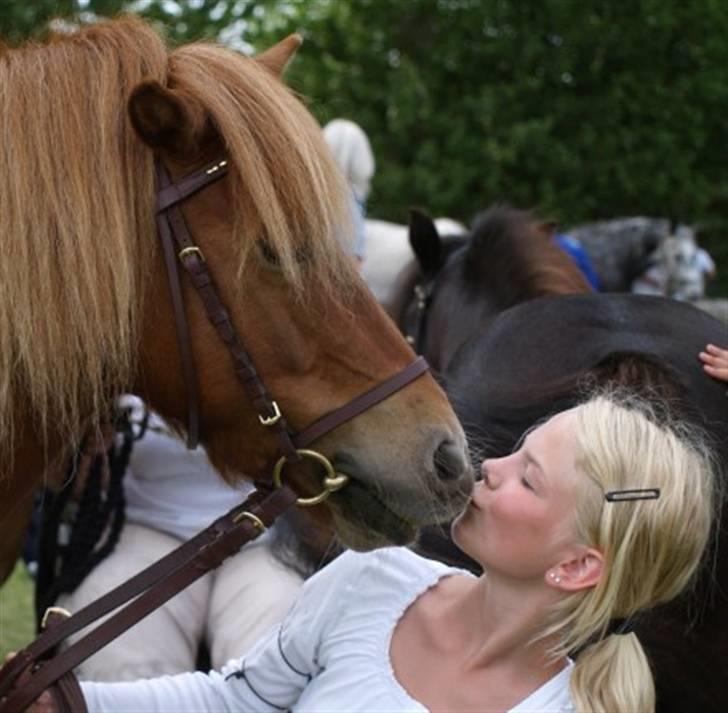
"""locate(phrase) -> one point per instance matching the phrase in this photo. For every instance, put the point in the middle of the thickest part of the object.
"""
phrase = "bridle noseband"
(177, 244)
(413, 322)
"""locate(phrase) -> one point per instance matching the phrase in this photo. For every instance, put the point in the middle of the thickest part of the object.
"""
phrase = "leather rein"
(35, 668)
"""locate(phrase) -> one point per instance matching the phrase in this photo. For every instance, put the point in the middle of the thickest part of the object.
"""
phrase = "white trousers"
(229, 608)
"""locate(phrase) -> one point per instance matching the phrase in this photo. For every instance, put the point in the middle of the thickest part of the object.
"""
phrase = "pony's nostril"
(450, 461)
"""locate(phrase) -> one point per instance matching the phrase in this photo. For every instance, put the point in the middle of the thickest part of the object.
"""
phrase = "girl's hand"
(715, 362)
(44, 703)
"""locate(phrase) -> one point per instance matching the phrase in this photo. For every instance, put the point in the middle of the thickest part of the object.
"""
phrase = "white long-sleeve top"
(170, 488)
(329, 655)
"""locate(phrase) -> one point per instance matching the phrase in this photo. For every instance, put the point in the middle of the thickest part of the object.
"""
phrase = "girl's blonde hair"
(650, 554)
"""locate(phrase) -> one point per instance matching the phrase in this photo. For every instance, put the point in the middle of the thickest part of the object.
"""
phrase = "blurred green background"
(17, 621)
(580, 109)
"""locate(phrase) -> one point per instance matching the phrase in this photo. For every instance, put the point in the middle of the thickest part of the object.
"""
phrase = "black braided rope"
(75, 537)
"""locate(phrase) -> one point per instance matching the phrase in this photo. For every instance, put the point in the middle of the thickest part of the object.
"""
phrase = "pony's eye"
(269, 255)
(302, 254)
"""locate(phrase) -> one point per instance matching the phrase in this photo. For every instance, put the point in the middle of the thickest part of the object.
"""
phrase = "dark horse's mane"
(512, 252)
(508, 258)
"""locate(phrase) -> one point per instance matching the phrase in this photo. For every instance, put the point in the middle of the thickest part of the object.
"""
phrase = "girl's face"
(520, 518)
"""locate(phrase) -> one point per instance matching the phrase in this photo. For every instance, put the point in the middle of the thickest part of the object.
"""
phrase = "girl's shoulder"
(397, 561)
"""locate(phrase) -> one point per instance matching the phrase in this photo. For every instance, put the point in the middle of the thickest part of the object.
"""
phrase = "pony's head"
(508, 258)
(80, 209)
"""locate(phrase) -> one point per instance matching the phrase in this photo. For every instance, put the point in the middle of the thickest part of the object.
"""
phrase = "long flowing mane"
(510, 253)
(77, 200)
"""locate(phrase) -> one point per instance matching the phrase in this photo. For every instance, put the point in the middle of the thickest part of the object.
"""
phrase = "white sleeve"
(705, 262)
(268, 679)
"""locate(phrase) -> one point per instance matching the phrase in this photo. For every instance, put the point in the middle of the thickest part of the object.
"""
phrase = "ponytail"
(613, 675)
(649, 555)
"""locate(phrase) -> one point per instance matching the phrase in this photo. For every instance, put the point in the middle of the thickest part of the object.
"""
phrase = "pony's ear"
(548, 228)
(167, 120)
(425, 242)
(277, 58)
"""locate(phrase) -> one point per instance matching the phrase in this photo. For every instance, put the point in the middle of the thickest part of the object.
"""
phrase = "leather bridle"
(35, 669)
(177, 244)
(413, 323)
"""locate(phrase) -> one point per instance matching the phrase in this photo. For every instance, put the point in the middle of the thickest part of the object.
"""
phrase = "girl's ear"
(583, 571)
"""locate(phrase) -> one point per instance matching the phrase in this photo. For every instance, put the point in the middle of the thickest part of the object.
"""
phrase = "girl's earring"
(555, 578)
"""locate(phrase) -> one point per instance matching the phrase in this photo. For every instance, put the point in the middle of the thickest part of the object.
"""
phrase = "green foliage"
(582, 110)
(17, 626)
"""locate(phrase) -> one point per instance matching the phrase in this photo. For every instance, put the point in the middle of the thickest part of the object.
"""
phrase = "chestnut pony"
(85, 311)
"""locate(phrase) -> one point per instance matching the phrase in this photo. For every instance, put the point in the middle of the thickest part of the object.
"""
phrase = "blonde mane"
(77, 207)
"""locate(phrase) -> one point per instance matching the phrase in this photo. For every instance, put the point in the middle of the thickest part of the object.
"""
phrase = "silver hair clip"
(618, 496)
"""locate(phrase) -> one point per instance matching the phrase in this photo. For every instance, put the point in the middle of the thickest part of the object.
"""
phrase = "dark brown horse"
(460, 284)
(509, 361)
(540, 357)
(85, 310)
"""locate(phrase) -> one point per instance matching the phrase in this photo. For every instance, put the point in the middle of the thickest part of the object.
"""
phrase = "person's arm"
(707, 264)
(270, 678)
(715, 362)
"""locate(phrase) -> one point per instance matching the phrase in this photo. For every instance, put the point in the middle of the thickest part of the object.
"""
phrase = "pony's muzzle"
(450, 461)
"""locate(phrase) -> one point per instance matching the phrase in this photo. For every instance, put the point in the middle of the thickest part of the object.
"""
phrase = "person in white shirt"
(561, 527)
(171, 494)
(681, 269)
(352, 151)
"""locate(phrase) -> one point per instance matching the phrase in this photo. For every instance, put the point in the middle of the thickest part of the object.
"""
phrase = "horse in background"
(680, 269)
(463, 283)
(514, 366)
(509, 357)
(85, 122)
(390, 265)
(541, 357)
(621, 249)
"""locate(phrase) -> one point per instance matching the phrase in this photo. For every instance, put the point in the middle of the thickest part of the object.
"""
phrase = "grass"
(17, 621)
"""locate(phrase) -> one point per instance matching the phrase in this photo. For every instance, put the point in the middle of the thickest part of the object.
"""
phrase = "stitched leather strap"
(178, 243)
(171, 194)
(170, 575)
(184, 344)
(361, 403)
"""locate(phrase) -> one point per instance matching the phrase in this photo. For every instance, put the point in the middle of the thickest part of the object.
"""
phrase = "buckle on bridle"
(247, 515)
(333, 481)
(50, 612)
(271, 420)
(192, 249)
